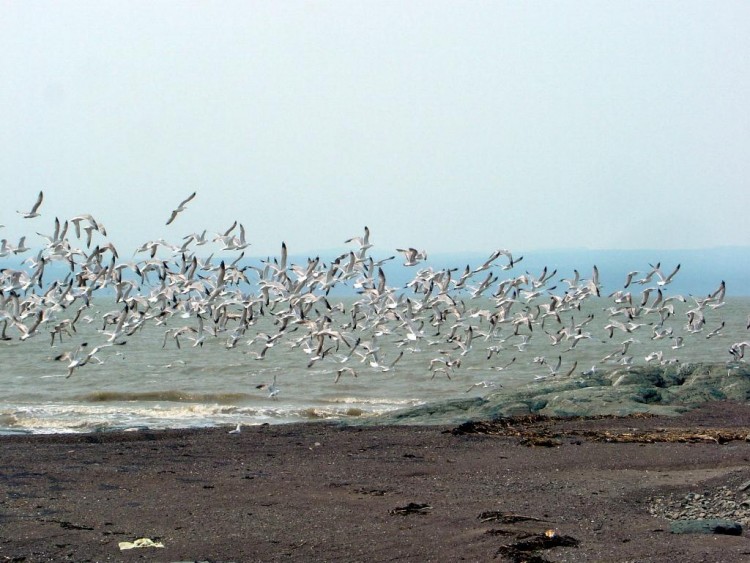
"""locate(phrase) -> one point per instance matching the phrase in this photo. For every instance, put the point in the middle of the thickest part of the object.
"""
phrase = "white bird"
(482, 384)
(716, 299)
(21, 246)
(524, 342)
(511, 261)
(657, 355)
(180, 208)
(738, 349)
(554, 370)
(342, 370)
(572, 282)
(34, 210)
(716, 331)
(647, 278)
(629, 278)
(412, 256)
(233, 242)
(77, 358)
(626, 361)
(501, 368)
(273, 389)
(6, 249)
(363, 242)
(84, 217)
(385, 367)
(236, 430)
(668, 279)
(494, 256)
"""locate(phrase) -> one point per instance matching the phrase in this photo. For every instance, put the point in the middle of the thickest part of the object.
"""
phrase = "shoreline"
(668, 390)
(322, 491)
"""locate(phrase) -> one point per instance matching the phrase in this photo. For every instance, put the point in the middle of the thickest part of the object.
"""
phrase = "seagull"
(6, 248)
(716, 299)
(501, 368)
(180, 208)
(738, 350)
(572, 282)
(626, 361)
(511, 262)
(84, 217)
(629, 278)
(494, 256)
(273, 390)
(668, 279)
(716, 331)
(363, 242)
(657, 355)
(21, 246)
(647, 278)
(524, 342)
(34, 210)
(482, 384)
(342, 370)
(393, 363)
(554, 372)
(77, 358)
(412, 256)
(441, 370)
(236, 430)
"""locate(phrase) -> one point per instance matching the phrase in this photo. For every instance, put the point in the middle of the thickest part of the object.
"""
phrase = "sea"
(150, 383)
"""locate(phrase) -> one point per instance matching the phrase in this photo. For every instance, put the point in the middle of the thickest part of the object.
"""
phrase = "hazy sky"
(442, 125)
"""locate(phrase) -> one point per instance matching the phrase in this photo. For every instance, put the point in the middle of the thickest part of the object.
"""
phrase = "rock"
(658, 390)
(538, 405)
(647, 395)
(706, 526)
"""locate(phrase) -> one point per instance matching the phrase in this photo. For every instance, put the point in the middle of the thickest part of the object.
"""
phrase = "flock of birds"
(453, 312)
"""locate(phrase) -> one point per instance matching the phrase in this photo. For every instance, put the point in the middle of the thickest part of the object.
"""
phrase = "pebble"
(722, 503)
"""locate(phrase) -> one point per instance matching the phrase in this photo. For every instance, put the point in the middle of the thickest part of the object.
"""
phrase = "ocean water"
(151, 383)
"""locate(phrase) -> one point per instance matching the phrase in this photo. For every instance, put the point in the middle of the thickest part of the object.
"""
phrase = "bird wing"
(189, 198)
(39, 199)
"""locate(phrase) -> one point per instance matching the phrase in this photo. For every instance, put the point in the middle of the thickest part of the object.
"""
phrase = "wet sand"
(322, 492)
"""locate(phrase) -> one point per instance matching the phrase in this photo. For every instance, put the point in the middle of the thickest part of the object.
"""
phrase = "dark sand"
(320, 492)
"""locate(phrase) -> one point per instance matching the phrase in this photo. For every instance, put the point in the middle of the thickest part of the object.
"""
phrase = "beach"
(327, 492)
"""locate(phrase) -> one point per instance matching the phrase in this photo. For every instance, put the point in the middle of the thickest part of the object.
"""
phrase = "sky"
(445, 126)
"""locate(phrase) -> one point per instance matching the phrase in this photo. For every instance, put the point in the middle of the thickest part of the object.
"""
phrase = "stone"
(707, 526)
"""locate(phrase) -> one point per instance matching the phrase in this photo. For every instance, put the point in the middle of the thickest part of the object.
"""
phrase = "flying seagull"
(34, 210)
(180, 208)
